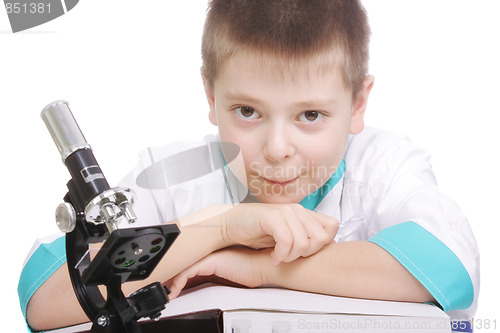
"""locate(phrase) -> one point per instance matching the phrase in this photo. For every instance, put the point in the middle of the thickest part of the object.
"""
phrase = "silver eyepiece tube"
(63, 128)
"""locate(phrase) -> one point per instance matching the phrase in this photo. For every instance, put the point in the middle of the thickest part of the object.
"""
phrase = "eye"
(310, 116)
(246, 112)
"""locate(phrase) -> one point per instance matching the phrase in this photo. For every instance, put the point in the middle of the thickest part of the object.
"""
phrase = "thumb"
(200, 268)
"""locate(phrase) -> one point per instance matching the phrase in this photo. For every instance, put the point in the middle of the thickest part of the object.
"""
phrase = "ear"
(209, 93)
(359, 105)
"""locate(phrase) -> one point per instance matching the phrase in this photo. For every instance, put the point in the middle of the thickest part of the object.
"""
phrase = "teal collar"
(313, 200)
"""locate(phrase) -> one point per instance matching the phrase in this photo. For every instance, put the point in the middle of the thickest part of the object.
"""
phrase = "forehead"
(276, 70)
(287, 66)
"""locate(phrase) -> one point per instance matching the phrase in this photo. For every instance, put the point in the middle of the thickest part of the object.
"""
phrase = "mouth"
(280, 182)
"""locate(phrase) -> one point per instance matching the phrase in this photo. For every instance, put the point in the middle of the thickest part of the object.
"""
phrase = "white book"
(286, 311)
(276, 310)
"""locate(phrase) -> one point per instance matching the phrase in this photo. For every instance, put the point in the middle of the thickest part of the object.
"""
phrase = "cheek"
(325, 157)
(229, 133)
(248, 145)
(233, 135)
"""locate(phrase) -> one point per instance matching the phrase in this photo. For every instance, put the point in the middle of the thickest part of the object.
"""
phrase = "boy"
(337, 208)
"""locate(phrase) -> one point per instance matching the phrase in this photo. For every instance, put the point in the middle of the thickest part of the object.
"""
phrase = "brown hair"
(289, 31)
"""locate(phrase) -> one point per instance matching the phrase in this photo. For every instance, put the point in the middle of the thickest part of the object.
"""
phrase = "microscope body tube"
(86, 174)
(75, 151)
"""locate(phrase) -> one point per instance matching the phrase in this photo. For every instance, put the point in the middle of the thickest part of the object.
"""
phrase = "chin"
(279, 200)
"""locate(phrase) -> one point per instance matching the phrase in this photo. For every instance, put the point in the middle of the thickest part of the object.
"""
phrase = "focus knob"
(65, 217)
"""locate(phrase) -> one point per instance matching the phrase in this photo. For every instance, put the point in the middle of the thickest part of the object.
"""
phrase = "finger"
(329, 224)
(201, 268)
(178, 283)
(274, 224)
(317, 235)
(263, 242)
(300, 238)
(284, 241)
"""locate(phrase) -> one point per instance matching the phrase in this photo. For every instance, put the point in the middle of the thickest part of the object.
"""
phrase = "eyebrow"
(315, 103)
(241, 97)
(312, 103)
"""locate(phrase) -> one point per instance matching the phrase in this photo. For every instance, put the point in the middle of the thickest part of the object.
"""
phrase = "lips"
(280, 182)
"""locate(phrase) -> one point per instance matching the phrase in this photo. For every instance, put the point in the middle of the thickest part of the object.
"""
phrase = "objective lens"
(129, 263)
(155, 249)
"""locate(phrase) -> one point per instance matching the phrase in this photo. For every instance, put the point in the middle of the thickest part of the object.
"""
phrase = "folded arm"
(351, 269)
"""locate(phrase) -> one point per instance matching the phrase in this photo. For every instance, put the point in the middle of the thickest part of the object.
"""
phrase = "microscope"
(90, 214)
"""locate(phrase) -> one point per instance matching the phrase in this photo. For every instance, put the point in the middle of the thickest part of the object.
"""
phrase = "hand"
(292, 230)
(242, 266)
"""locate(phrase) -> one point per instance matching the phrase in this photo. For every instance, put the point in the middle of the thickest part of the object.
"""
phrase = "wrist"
(215, 233)
(223, 235)
(223, 222)
(268, 271)
(213, 222)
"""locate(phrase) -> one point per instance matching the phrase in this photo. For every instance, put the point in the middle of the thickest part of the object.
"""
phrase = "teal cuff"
(47, 258)
(431, 262)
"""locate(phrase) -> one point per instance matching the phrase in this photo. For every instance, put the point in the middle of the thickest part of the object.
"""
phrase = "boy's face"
(292, 130)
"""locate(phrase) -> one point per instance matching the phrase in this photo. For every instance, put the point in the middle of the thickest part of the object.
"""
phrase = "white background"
(130, 71)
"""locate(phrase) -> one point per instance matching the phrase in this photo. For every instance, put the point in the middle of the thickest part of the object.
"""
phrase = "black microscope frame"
(128, 254)
(90, 215)
(112, 268)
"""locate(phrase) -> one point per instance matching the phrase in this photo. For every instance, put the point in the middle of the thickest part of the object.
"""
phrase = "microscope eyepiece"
(63, 128)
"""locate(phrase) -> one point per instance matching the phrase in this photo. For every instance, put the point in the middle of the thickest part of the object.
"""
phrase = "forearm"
(193, 243)
(350, 269)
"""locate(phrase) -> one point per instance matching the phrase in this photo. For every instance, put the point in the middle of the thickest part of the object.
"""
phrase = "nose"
(278, 144)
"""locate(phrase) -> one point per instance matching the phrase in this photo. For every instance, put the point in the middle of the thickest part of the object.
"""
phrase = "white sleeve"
(420, 226)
